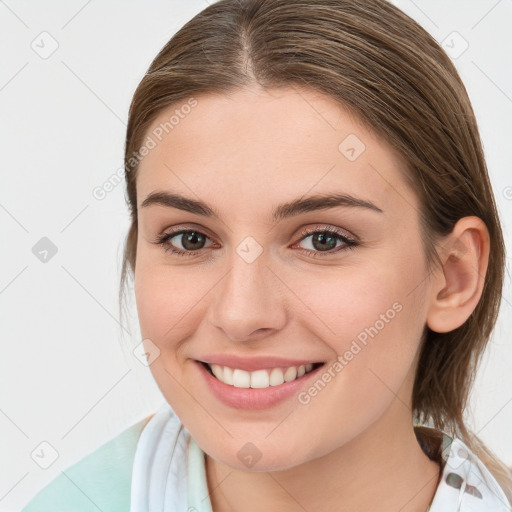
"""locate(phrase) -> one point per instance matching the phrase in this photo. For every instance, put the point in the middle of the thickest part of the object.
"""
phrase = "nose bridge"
(247, 299)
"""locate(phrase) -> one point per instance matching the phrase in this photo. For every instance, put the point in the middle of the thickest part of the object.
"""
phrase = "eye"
(191, 240)
(323, 240)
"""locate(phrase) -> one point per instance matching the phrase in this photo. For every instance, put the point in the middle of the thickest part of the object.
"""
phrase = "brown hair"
(385, 68)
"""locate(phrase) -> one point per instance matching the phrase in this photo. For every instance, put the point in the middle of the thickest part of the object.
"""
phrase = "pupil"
(323, 237)
(193, 238)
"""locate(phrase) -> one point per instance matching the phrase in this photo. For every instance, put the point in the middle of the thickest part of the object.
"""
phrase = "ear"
(456, 290)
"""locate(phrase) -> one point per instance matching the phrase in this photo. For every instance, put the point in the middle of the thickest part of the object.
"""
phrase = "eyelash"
(349, 243)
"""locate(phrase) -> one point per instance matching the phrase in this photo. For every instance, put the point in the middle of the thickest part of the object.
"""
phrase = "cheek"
(169, 301)
(343, 302)
(169, 306)
(370, 316)
(372, 322)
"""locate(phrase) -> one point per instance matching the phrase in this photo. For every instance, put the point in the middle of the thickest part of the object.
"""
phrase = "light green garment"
(99, 481)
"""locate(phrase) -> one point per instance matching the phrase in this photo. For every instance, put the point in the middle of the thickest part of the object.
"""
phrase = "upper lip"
(255, 363)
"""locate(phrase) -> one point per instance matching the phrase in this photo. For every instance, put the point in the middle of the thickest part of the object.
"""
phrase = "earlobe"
(458, 286)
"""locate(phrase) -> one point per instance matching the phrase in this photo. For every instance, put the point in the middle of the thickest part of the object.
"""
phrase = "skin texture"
(352, 446)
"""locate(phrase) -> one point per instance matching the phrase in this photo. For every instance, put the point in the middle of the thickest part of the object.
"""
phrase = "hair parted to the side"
(392, 74)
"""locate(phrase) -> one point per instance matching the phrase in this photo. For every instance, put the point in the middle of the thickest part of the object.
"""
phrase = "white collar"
(159, 475)
(466, 485)
(166, 453)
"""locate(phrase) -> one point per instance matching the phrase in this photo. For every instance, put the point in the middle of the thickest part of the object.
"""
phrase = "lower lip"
(254, 398)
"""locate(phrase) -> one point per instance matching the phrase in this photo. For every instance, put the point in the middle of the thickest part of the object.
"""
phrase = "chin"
(251, 458)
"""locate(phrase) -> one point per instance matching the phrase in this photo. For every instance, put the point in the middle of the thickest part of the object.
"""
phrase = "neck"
(382, 469)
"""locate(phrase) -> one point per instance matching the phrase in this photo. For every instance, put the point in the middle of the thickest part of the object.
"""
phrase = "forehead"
(269, 145)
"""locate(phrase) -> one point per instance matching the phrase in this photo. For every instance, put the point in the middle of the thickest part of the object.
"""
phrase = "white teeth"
(259, 378)
(241, 379)
(290, 374)
(217, 371)
(276, 377)
(228, 375)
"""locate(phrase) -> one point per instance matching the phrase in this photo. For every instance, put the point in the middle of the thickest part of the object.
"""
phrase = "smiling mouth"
(258, 379)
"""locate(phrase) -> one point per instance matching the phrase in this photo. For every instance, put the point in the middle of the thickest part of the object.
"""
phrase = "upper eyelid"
(303, 231)
(308, 231)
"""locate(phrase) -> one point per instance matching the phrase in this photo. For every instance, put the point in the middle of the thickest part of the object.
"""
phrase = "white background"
(67, 371)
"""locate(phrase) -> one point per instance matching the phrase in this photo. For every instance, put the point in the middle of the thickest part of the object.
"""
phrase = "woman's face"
(262, 289)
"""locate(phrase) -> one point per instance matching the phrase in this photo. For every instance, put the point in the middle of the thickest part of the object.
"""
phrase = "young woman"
(318, 266)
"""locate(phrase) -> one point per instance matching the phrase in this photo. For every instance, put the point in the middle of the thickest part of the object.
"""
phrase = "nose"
(249, 301)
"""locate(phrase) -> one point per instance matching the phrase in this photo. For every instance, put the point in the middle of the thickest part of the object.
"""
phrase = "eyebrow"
(283, 211)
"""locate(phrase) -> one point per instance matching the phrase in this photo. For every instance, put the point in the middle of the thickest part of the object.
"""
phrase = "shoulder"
(99, 481)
